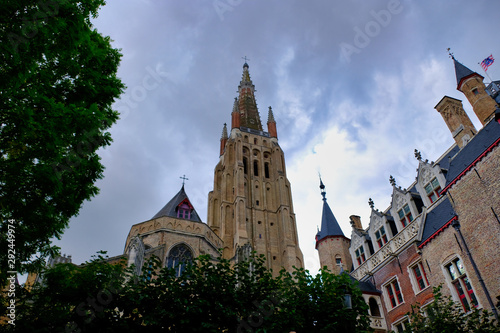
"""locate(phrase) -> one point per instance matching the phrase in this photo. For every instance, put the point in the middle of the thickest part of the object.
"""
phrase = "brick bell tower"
(250, 207)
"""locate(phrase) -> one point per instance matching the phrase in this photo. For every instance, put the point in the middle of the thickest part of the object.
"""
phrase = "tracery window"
(381, 236)
(432, 189)
(179, 258)
(405, 216)
(463, 287)
(360, 255)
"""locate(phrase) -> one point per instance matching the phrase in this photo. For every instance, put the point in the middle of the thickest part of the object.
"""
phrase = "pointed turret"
(471, 85)
(332, 245)
(223, 139)
(329, 224)
(271, 124)
(247, 105)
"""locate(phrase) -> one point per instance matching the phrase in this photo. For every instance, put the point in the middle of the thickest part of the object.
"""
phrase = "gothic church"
(249, 209)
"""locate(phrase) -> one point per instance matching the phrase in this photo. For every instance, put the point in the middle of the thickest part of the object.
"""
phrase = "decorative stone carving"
(400, 201)
(426, 175)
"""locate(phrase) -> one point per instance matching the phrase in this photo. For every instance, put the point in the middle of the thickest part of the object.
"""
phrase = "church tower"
(250, 207)
(332, 245)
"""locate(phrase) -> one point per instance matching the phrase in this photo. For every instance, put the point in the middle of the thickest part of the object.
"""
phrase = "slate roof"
(329, 224)
(437, 219)
(475, 148)
(169, 209)
(462, 72)
(366, 286)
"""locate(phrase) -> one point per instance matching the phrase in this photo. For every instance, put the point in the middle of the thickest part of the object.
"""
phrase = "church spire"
(462, 73)
(329, 224)
(247, 105)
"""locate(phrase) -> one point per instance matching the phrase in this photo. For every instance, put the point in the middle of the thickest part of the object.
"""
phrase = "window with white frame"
(405, 216)
(360, 255)
(461, 283)
(432, 190)
(381, 237)
(401, 325)
(394, 294)
(419, 277)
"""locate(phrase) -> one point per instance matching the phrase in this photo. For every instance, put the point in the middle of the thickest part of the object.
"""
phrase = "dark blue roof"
(444, 162)
(170, 209)
(366, 286)
(437, 218)
(461, 71)
(476, 146)
(329, 224)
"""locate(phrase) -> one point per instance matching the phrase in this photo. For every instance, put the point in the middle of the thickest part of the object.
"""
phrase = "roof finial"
(450, 53)
(371, 203)
(418, 156)
(246, 59)
(183, 179)
(392, 180)
(322, 187)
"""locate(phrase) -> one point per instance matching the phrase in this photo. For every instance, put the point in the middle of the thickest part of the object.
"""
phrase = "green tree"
(446, 316)
(57, 84)
(210, 296)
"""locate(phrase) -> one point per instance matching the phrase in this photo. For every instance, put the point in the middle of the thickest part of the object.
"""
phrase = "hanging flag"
(487, 62)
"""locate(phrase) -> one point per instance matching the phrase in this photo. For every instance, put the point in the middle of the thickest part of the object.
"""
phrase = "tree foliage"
(210, 296)
(57, 84)
(446, 316)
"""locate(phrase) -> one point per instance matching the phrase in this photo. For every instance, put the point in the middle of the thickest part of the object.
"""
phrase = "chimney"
(457, 120)
(355, 222)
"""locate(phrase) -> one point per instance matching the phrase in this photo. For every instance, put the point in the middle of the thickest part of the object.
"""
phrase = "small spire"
(224, 132)
(418, 156)
(371, 203)
(392, 180)
(235, 104)
(270, 116)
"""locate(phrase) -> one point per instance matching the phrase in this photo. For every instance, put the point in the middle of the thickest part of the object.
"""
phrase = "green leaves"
(57, 84)
(445, 315)
(212, 295)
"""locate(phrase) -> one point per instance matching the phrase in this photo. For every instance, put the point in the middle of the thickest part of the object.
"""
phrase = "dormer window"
(184, 211)
(381, 236)
(405, 216)
(432, 189)
(360, 255)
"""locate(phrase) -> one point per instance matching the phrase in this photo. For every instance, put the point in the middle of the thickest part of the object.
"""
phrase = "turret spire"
(223, 139)
(329, 224)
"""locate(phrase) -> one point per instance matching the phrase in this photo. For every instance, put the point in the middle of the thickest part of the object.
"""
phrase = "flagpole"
(485, 72)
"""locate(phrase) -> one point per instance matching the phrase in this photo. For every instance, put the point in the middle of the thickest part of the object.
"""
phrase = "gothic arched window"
(374, 309)
(179, 257)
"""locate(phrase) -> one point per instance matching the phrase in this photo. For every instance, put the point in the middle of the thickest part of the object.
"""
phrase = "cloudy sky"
(353, 85)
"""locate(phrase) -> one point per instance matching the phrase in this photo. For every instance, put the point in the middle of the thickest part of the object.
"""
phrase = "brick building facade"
(445, 227)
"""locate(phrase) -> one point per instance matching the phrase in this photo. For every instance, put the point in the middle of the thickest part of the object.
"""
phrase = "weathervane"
(450, 53)
(183, 179)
